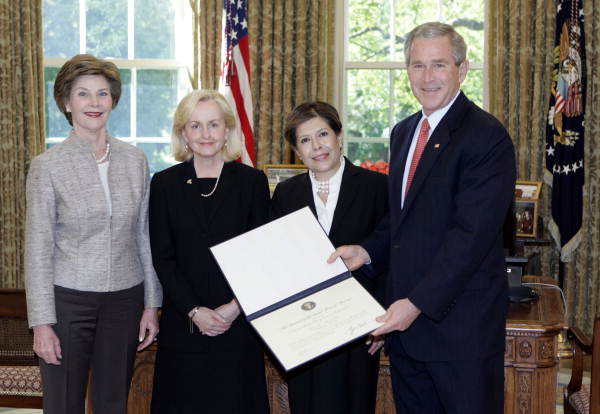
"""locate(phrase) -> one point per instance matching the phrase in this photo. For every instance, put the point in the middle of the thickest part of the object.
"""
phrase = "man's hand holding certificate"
(300, 305)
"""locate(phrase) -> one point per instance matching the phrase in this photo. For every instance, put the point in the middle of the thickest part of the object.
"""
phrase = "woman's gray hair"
(433, 30)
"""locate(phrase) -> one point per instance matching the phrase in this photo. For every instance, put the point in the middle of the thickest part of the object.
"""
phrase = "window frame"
(183, 46)
(342, 66)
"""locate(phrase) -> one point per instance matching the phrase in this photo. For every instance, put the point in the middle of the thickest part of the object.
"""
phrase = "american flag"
(235, 73)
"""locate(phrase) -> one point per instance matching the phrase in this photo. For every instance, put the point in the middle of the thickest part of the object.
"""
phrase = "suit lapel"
(346, 196)
(304, 195)
(85, 168)
(435, 146)
(400, 144)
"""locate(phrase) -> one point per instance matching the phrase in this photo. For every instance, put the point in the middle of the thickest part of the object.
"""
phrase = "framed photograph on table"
(528, 190)
(277, 173)
(527, 195)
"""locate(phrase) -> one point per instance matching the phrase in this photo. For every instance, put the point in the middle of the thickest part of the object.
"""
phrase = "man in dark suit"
(452, 177)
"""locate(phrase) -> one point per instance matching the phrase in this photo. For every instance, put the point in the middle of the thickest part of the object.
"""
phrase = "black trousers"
(446, 387)
(342, 382)
(97, 331)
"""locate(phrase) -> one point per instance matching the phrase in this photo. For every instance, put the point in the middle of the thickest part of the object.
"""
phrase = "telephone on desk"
(516, 291)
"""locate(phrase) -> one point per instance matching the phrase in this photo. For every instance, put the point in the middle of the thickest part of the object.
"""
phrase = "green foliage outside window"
(378, 98)
(106, 36)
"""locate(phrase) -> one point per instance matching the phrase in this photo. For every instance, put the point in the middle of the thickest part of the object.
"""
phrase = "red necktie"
(421, 142)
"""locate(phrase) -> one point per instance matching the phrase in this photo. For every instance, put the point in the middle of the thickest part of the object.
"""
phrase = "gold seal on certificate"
(307, 306)
(300, 309)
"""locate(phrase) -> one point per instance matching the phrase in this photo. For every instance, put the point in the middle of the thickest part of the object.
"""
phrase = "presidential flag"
(565, 128)
(235, 73)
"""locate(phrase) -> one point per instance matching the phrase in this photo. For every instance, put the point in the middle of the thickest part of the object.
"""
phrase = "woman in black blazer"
(209, 359)
(348, 201)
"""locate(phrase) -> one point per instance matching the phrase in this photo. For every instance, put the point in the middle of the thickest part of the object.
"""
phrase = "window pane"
(119, 123)
(154, 29)
(61, 28)
(156, 101)
(359, 152)
(369, 30)
(405, 103)
(411, 13)
(367, 113)
(57, 125)
(159, 156)
(106, 28)
(473, 86)
(467, 18)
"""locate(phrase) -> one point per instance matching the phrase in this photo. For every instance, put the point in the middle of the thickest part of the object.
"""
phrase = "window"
(375, 93)
(149, 40)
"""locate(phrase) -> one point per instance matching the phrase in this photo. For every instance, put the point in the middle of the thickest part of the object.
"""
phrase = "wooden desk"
(530, 363)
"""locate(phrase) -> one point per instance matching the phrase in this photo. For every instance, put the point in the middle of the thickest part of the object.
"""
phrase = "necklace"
(216, 184)
(105, 156)
(322, 186)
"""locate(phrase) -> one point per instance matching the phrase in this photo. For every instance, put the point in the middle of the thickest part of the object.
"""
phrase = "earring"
(187, 148)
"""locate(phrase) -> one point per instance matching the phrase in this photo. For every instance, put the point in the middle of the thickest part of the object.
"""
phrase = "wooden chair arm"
(581, 339)
(582, 345)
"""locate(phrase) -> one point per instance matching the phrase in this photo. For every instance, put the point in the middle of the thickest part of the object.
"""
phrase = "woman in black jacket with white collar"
(348, 201)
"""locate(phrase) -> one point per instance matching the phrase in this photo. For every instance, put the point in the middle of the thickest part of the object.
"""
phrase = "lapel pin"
(436, 146)
(189, 181)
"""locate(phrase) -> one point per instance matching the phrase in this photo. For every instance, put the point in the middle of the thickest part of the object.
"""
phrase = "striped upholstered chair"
(583, 398)
(20, 381)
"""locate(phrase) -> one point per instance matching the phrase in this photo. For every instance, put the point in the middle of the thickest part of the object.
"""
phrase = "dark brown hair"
(80, 65)
(307, 111)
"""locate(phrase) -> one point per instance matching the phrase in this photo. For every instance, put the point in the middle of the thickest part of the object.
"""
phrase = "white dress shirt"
(325, 210)
(434, 119)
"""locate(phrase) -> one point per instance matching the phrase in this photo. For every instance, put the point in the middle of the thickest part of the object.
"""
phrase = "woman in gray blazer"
(92, 293)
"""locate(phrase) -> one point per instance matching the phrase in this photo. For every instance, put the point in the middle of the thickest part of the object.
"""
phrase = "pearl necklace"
(103, 158)
(322, 186)
(216, 184)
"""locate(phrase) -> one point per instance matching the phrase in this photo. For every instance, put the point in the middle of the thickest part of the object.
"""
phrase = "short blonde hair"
(233, 147)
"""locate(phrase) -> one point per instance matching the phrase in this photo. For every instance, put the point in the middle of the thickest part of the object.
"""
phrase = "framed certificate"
(300, 305)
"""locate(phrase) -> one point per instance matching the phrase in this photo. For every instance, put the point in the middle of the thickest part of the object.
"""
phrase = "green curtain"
(519, 45)
(210, 44)
(292, 61)
(21, 124)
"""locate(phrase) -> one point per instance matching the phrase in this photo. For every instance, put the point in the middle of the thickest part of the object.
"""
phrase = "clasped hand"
(215, 322)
